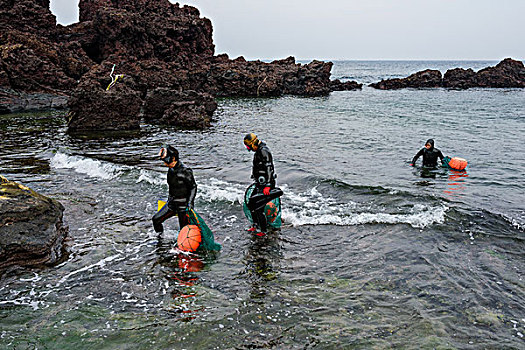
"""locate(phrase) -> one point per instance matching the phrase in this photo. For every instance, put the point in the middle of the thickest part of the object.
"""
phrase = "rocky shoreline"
(146, 45)
(32, 231)
(108, 67)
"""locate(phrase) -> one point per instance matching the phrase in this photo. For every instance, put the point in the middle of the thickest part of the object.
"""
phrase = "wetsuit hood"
(431, 141)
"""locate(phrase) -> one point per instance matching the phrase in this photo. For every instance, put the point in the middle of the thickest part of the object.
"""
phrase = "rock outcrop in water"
(508, 73)
(31, 228)
(338, 85)
(425, 79)
(154, 44)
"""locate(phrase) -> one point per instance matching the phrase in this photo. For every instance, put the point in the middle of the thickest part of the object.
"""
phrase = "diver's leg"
(260, 219)
(183, 217)
(161, 216)
(258, 216)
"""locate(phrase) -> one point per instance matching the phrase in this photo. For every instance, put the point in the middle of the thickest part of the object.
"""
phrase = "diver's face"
(428, 146)
(172, 164)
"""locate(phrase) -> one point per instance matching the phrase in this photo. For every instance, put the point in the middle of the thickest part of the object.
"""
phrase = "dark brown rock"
(255, 78)
(429, 78)
(94, 107)
(28, 16)
(337, 85)
(508, 73)
(179, 108)
(31, 227)
(146, 29)
(155, 44)
(459, 78)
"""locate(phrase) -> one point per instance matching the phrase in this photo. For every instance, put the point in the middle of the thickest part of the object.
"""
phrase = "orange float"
(458, 163)
(189, 238)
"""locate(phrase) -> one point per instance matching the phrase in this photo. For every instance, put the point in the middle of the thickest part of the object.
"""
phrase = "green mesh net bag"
(208, 241)
(272, 210)
(445, 161)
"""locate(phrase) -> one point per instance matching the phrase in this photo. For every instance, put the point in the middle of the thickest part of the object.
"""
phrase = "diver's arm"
(192, 186)
(440, 155)
(419, 154)
(268, 167)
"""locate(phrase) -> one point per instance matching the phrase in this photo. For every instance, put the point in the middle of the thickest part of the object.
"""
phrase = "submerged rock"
(31, 227)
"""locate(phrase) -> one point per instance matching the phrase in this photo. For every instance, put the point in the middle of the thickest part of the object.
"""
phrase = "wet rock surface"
(31, 228)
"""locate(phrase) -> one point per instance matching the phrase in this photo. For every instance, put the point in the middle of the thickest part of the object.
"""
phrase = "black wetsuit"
(264, 175)
(430, 156)
(182, 191)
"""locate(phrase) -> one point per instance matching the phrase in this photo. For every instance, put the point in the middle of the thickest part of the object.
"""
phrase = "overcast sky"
(358, 29)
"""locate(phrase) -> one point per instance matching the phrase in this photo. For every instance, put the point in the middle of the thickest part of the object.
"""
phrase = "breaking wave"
(91, 167)
(310, 207)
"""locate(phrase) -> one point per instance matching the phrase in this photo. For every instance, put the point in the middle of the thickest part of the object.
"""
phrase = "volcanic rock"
(31, 58)
(459, 78)
(337, 85)
(146, 29)
(508, 73)
(241, 78)
(179, 108)
(95, 105)
(155, 44)
(429, 78)
(31, 227)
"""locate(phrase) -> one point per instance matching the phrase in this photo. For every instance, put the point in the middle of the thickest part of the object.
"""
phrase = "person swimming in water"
(430, 155)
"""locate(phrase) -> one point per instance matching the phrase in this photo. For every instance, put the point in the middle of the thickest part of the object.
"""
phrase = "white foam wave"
(313, 208)
(91, 167)
(419, 219)
(153, 178)
(218, 190)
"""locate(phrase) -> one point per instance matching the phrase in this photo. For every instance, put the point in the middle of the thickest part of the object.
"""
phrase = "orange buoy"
(189, 238)
(458, 163)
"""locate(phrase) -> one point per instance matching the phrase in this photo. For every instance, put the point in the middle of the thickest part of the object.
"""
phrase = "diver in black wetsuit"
(429, 153)
(182, 190)
(264, 175)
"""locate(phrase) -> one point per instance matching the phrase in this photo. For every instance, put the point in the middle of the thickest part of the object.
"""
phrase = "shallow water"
(373, 254)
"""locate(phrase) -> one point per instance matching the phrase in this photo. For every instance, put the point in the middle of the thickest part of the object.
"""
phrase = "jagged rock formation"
(31, 228)
(508, 73)
(155, 44)
(32, 56)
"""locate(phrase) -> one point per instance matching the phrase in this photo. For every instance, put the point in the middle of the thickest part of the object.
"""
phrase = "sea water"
(373, 253)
